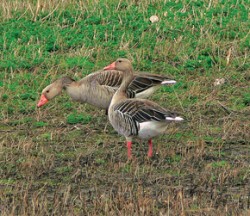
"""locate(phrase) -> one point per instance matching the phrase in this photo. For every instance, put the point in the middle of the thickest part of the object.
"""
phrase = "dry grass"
(63, 170)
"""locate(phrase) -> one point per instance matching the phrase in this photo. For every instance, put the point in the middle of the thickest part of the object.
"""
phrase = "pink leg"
(129, 145)
(150, 148)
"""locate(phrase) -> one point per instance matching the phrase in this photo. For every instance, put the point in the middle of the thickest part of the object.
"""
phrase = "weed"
(78, 118)
(40, 124)
(219, 164)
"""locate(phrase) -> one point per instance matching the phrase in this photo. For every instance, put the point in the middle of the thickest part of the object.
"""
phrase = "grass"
(58, 159)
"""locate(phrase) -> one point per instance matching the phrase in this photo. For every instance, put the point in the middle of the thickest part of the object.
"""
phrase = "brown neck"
(66, 81)
(127, 78)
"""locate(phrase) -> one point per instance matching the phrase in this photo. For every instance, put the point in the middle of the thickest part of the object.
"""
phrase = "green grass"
(59, 160)
(78, 118)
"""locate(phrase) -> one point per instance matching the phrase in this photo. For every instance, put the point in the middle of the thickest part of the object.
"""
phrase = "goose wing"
(111, 78)
(143, 110)
(145, 81)
(130, 113)
(140, 83)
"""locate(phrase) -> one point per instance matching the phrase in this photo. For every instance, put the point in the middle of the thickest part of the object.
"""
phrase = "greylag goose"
(98, 88)
(136, 117)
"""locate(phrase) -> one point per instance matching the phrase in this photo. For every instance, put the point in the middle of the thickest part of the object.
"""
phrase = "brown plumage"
(136, 117)
(98, 88)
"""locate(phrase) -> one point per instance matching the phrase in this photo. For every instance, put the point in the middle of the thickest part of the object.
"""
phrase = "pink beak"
(110, 67)
(43, 100)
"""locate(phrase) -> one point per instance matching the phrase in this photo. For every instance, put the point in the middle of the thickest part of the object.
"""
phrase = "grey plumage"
(99, 87)
(136, 117)
(130, 112)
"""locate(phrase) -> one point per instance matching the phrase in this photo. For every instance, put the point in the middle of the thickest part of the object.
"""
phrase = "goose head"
(53, 90)
(121, 64)
(50, 92)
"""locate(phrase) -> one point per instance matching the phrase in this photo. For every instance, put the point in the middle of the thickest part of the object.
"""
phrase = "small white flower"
(219, 82)
(154, 19)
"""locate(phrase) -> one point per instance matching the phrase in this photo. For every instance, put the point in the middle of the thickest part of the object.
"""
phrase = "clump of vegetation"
(78, 118)
(40, 124)
(246, 99)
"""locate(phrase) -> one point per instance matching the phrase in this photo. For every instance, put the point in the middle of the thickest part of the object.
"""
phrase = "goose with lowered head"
(98, 88)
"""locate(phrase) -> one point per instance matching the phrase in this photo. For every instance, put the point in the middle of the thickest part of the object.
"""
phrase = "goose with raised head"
(136, 117)
(98, 88)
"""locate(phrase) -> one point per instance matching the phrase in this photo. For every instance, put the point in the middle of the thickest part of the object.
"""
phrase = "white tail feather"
(168, 82)
(174, 119)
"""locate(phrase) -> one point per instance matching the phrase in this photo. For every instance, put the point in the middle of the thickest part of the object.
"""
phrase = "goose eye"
(119, 61)
(47, 91)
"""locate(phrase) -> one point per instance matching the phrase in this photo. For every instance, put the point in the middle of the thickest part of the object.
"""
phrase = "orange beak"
(110, 67)
(43, 100)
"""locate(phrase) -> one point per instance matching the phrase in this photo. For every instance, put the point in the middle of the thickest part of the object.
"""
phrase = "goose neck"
(66, 81)
(127, 78)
